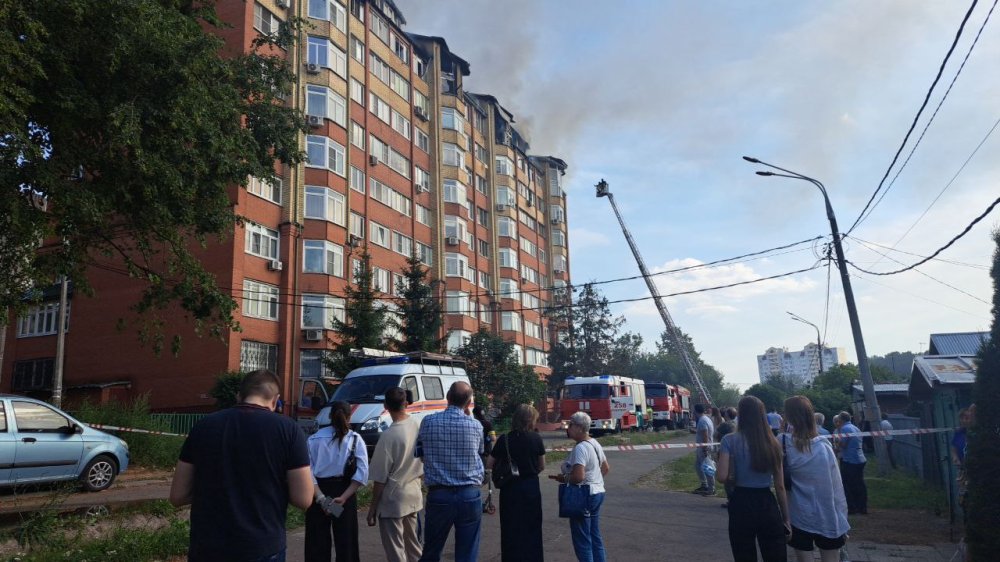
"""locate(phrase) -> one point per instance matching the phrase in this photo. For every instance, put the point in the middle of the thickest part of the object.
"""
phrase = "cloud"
(585, 239)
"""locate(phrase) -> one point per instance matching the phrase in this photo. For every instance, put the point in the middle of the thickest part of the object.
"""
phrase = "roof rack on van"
(417, 357)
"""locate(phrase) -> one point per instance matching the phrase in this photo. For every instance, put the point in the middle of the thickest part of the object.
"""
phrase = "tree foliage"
(366, 319)
(226, 389)
(497, 379)
(773, 398)
(419, 321)
(123, 130)
(983, 458)
(595, 332)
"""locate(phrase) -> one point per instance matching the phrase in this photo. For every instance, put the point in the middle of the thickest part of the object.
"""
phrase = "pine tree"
(983, 458)
(595, 332)
(419, 321)
(366, 319)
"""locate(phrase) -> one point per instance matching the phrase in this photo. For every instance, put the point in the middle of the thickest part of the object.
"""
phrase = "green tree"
(497, 378)
(563, 358)
(124, 132)
(838, 377)
(366, 320)
(983, 458)
(829, 402)
(773, 398)
(226, 389)
(420, 320)
(595, 331)
(625, 355)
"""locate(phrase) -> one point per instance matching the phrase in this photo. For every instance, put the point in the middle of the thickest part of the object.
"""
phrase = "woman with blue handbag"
(581, 491)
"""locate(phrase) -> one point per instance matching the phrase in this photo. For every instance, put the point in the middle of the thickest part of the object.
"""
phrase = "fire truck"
(671, 404)
(613, 403)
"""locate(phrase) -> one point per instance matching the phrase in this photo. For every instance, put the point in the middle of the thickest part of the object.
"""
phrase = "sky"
(663, 98)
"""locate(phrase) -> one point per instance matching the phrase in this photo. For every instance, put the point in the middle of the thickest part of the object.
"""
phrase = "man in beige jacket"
(396, 473)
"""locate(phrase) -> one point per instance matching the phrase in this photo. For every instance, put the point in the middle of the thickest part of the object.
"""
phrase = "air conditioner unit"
(420, 113)
(313, 335)
(556, 220)
(275, 265)
(353, 240)
(313, 68)
(501, 207)
(558, 270)
(373, 160)
(283, 4)
(421, 188)
(452, 241)
(314, 120)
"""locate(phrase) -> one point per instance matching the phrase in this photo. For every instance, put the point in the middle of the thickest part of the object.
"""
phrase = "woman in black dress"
(521, 499)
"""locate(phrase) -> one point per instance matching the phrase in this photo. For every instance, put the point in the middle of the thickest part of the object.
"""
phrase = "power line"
(916, 118)
(939, 250)
(936, 280)
(931, 120)
(914, 295)
(952, 262)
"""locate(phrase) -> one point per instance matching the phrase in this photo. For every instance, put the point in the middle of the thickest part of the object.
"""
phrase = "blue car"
(40, 443)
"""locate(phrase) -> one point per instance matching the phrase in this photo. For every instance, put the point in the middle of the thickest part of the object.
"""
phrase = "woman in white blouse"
(816, 502)
(331, 450)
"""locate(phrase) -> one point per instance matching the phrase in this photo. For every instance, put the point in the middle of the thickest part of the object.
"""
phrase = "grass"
(679, 476)
(900, 490)
(153, 451)
(119, 545)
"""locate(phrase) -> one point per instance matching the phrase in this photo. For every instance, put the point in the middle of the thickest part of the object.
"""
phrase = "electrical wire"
(942, 260)
(931, 120)
(914, 295)
(916, 118)
(939, 250)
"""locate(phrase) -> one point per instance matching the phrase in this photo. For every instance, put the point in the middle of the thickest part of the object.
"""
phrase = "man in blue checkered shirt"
(450, 444)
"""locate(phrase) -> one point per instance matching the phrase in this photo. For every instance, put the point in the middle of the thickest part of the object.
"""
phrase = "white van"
(426, 377)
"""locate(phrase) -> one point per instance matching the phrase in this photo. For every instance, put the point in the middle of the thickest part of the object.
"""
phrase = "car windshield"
(586, 391)
(656, 392)
(365, 389)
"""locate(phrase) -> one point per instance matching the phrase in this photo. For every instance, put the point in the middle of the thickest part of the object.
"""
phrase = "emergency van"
(426, 377)
(613, 403)
(671, 404)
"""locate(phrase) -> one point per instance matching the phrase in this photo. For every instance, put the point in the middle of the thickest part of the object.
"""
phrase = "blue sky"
(662, 99)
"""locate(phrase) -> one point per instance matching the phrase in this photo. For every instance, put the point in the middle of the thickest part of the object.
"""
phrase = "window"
(399, 47)
(485, 314)
(357, 9)
(311, 365)
(484, 280)
(381, 280)
(357, 49)
(456, 302)
(379, 107)
(455, 227)
(331, 11)
(380, 28)
(456, 265)
(479, 120)
(390, 197)
(422, 141)
(398, 284)
(542, 256)
(453, 155)
(481, 186)
(426, 254)
(325, 204)
(510, 321)
(390, 77)
(379, 234)
(557, 214)
(323, 256)
(481, 153)
(261, 241)
(432, 386)
(526, 220)
(357, 91)
(357, 180)
(34, 374)
(505, 196)
(507, 226)
(559, 263)
(402, 244)
(420, 101)
(357, 227)
(324, 53)
(256, 355)
(260, 300)
(41, 320)
(381, 151)
(518, 354)
(37, 418)
(326, 103)
(536, 357)
(324, 152)
(419, 66)
(508, 288)
(264, 21)
(529, 247)
(508, 257)
(457, 338)
(530, 301)
(454, 192)
(555, 182)
(558, 238)
(423, 215)
(452, 119)
(267, 190)
(318, 311)
(505, 166)
(422, 178)
(400, 124)
(484, 248)
(532, 330)
(357, 137)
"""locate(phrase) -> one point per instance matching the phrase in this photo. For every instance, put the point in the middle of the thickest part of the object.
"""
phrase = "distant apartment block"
(799, 366)
(401, 159)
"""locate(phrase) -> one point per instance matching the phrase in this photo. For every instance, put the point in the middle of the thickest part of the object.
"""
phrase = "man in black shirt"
(239, 469)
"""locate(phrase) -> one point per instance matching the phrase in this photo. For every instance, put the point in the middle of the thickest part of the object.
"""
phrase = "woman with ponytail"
(339, 461)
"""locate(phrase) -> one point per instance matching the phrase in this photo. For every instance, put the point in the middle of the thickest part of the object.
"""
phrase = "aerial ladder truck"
(673, 333)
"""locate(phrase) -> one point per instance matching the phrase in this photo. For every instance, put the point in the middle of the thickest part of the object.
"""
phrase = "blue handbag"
(573, 500)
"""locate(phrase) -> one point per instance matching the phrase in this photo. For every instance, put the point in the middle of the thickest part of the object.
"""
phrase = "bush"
(158, 451)
(226, 389)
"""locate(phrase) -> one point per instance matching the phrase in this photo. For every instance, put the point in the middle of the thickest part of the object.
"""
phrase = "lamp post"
(819, 339)
(872, 412)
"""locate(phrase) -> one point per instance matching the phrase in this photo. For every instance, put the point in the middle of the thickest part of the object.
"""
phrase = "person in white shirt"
(586, 465)
(339, 461)
(886, 425)
(817, 505)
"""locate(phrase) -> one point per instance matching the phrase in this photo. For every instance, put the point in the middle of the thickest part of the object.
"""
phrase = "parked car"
(40, 443)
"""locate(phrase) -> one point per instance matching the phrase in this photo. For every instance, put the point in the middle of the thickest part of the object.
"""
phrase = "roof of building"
(931, 372)
(961, 343)
(445, 51)
(886, 388)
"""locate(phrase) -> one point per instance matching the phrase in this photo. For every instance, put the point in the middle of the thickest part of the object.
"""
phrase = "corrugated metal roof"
(962, 343)
(944, 369)
(886, 388)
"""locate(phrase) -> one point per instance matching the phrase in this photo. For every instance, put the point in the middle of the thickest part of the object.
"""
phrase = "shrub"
(226, 389)
(159, 451)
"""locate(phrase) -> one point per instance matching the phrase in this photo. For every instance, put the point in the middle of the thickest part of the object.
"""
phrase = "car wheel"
(99, 474)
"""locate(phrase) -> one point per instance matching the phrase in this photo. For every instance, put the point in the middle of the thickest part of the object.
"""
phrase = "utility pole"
(57, 378)
(872, 412)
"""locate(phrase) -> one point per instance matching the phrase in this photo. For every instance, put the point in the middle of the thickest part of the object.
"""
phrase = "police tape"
(625, 447)
(134, 430)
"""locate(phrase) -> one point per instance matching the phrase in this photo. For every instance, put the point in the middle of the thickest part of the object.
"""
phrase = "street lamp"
(819, 339)
(872, 412)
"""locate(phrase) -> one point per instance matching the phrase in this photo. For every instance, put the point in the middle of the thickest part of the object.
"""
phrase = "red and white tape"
(658, 446)
(134, 430)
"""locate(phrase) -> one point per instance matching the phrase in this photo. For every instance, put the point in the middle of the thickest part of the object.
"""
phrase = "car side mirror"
(73, 429)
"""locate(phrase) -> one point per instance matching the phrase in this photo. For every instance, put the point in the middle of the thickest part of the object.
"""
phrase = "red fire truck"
(614, 403)
(671, 404)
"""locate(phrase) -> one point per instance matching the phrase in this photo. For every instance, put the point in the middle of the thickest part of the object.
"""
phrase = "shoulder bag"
(351, 464)
(784, 463)
(574, 499)
(505, 470)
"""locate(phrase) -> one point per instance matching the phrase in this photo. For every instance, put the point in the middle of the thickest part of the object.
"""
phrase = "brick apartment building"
(401, 159)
